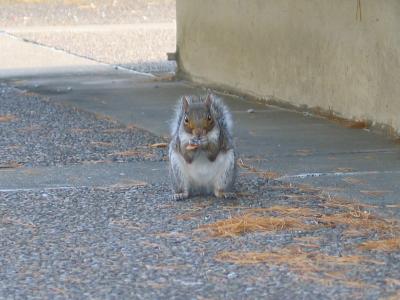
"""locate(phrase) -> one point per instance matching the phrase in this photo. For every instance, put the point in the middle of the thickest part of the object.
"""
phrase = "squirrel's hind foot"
(180, 196)
(225, 195)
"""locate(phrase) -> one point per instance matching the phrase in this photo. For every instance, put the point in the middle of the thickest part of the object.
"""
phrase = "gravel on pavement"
(35, 131)
(136, 243)
(74, 12)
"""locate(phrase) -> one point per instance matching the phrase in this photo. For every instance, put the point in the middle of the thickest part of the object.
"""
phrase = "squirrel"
(201, 152)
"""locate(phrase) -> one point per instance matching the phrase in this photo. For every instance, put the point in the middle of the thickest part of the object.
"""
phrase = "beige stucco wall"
(306, 52)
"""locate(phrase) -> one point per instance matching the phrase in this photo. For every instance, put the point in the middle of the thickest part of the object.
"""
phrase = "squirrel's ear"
(185, 104)
(208, 100)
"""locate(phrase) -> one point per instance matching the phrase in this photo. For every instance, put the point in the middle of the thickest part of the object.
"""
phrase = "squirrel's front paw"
(226, 195)
(180, 196)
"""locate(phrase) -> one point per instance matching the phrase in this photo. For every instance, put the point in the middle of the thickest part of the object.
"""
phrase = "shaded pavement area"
(85, 207)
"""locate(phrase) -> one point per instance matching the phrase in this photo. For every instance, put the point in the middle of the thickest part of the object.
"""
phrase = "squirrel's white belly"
(202, 173)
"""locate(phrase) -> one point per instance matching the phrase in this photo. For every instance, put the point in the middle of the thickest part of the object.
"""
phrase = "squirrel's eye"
(186, 119)
(209, 117)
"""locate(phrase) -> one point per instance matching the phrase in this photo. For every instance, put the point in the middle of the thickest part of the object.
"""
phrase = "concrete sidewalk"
(291, 146)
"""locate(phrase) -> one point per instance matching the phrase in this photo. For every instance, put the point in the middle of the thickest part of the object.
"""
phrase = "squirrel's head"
(197, 117)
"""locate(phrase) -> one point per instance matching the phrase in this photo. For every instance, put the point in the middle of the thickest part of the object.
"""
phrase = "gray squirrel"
(201, 152)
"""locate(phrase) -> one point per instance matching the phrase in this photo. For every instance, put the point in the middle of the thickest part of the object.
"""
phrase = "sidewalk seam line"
(115, 66)
(327, 174)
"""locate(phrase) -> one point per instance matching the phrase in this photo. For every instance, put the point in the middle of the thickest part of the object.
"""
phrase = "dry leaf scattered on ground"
(382, 245)
(7, 118)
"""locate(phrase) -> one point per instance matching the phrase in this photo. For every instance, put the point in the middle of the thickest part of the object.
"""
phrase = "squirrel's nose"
(198, 132)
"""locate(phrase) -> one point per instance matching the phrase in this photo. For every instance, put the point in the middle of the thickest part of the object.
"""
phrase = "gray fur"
(211, 170)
